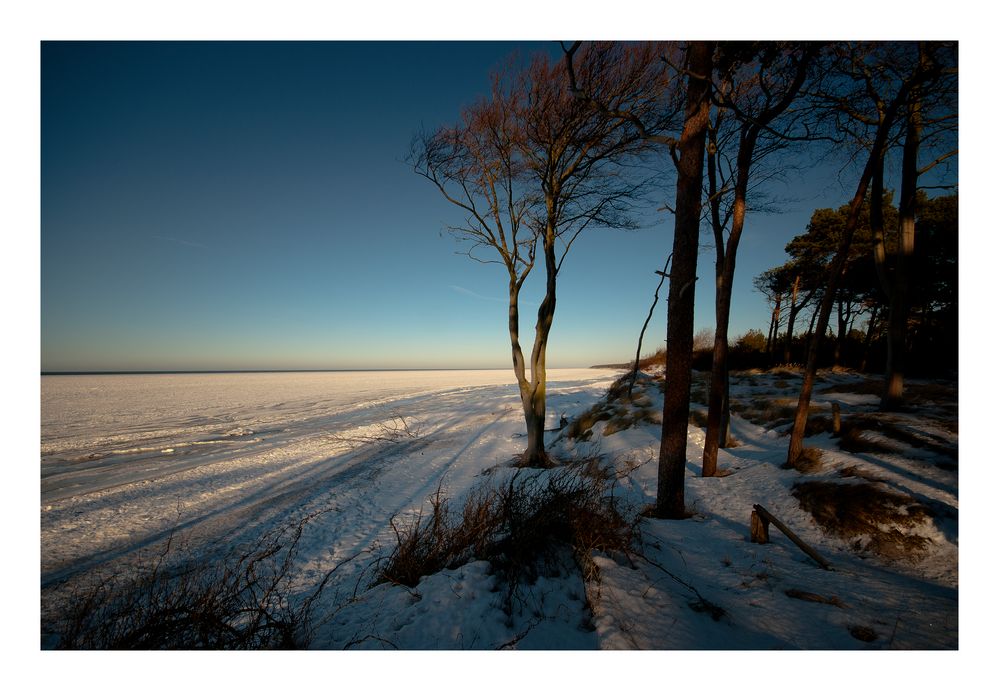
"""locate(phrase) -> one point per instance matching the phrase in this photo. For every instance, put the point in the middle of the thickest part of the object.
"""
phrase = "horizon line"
(272, 370)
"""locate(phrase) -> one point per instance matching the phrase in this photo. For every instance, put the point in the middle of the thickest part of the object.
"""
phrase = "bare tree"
(930, 118)
(680, 319)
(692, 66)
(757, 83)
(532, 168)
(771, 284)
(854, 64)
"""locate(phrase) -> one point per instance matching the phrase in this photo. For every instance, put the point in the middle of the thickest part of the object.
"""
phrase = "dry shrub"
(808, 461)
(891, 427)
(863, 633)
(698, 418)
(699, 394)
(786, 371)
(241, 602)
(581, 427)
(852, 439)
(625, 419)
(869, 516)
(618, 416)
(818, 424)
(657, 358)
(856, 471)
(771, 412)
(522, 528)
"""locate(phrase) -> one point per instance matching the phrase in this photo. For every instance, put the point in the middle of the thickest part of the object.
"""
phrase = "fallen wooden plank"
(767, 516)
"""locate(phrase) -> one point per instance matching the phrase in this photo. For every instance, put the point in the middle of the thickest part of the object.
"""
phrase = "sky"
(247, 205)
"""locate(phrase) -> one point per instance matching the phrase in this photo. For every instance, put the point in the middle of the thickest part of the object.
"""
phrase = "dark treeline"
(857, 337)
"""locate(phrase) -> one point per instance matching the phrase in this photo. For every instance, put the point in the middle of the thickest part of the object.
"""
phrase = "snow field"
(701, 584)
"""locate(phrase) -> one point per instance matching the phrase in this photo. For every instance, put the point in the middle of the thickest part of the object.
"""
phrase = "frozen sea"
(98, 431)
(128, 459)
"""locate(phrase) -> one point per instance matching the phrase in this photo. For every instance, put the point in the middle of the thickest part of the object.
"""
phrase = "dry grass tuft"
(241, 602)
(617, 413)
(808, 461)
(895, 429)
(863, 633)
(522, 528)
(871, 517)
(858, 472)
(852, 439)
(818, 424)
(770, 412)
(581, 427)
(698, 418)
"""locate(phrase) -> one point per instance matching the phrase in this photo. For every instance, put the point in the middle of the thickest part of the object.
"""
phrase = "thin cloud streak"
(189, 243)
(472, 293)
(524, 300)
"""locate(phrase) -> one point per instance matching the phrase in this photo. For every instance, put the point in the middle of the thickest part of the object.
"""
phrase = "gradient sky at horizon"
(247, 206)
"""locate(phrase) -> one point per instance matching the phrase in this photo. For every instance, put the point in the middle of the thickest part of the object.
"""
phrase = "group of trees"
(554, 150)
(858, 336)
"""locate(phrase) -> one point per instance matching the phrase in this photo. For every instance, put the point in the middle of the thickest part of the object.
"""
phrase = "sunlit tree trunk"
(535, 455)
(680, 327)
(835, 273)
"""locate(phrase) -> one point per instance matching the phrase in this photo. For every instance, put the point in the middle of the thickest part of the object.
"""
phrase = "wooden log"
(759, 529)
(794, 538)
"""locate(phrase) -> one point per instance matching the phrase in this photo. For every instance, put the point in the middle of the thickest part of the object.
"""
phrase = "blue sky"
(247, 206)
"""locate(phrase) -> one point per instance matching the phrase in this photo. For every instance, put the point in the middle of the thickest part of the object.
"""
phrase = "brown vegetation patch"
(869, 516)
(818, 424)
(625, 419)
(581, 427)
(617, 414)
(770, 412)
(699, 394)
(922, 393)
(864, 633)
(698, 418)
(808, 461)
(521, 527)
(657, 358)
(240, 601)
(894, 428)
(852, 439)
(858, 472)
(815, 597)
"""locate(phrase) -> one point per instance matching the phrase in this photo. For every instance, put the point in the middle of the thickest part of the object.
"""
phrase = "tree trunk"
(811, 324)
(898, 316)
(774, 326)
(869, 338)
(535, 455)
(680, 328)
(725, 428)
(725, 276)
(796, 443)
(791, 314)
(841, 321)
(641, 336)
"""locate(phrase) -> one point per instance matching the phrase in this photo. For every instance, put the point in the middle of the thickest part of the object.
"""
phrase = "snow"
(128, 461)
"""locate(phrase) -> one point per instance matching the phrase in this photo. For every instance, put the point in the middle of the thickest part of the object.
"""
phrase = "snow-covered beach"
(209, 460)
